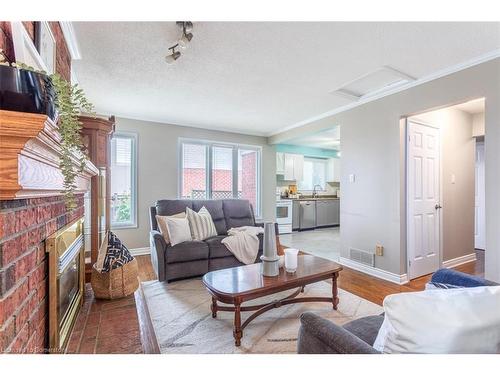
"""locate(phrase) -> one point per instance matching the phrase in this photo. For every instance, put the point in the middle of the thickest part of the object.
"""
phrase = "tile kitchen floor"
(324, 243)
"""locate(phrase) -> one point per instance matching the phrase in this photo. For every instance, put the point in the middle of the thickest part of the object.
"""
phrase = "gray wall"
(371, 208)
(458, 159)
(157, 169)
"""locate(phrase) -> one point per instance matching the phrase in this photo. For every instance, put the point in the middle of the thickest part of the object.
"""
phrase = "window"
(123, 186)
(314, 174)
(220, 170)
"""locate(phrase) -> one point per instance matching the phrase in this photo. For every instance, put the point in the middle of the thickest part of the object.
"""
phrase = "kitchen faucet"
(315, 193)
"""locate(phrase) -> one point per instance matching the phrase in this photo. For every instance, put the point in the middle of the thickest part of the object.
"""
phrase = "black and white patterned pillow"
(117, 254)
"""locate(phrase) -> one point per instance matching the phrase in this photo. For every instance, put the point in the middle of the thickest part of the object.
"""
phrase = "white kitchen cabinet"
(298, 167)
(289, 170)
(333, 170)
(294, 167)
(280, 163)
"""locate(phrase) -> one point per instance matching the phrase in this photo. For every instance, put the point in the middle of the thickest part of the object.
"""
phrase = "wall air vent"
(377, 82)
(362, 256)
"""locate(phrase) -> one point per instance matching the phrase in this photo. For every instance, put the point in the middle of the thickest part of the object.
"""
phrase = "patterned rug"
(183, 323)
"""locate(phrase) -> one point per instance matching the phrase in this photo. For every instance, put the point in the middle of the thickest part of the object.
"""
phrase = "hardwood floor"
(124, 326)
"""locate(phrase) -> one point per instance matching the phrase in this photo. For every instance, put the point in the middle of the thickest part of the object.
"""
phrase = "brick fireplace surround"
(24, 225)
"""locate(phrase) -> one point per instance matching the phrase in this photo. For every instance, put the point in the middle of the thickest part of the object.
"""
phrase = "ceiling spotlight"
(173, 56)
(185, 39)
(188, 26)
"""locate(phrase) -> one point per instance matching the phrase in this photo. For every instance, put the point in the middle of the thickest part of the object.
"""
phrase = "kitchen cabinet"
(296, 215)
(294, 167)
(333, 170)
(327, 212)
(280, 163)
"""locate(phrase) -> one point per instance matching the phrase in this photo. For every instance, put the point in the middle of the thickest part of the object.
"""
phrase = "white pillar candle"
(291, 260)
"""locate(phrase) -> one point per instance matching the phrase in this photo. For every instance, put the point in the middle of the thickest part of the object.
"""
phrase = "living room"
(207, 187)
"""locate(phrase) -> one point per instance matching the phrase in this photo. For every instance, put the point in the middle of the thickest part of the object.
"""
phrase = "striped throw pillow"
(201, 224)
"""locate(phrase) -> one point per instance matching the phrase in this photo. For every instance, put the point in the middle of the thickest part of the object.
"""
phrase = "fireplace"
(66, 260)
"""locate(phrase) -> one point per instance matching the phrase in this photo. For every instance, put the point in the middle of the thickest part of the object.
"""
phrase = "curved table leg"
(335, 292)
(214, 307)
(238, 332)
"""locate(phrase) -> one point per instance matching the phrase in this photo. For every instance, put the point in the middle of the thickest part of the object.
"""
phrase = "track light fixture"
(173, 56)
(183, 42)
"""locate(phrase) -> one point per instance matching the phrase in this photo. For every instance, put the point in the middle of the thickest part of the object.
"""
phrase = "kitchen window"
(210, 170)
(123, 180)
(315, 170)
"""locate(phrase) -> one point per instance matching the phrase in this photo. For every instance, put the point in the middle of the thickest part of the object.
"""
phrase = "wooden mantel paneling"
(30, 149)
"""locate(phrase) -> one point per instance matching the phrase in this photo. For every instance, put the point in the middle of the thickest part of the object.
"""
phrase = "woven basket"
(117, 283)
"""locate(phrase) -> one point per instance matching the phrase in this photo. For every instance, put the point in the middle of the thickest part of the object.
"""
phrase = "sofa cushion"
(214, 207)
(216, 249)
(365, 328)
(238, 213)
(187, 251)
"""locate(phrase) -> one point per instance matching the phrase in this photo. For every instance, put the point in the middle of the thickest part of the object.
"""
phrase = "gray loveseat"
(321, 336)
(195, 258)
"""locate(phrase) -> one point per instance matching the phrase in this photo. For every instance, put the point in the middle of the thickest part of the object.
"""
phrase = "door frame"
(415, 120)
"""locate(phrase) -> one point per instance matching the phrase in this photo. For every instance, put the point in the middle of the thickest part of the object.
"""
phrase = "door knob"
(437, 206)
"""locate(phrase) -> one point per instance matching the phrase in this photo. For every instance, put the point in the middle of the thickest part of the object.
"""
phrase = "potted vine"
(24, 89)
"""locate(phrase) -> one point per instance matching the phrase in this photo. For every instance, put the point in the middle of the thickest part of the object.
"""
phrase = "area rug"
(183, 323)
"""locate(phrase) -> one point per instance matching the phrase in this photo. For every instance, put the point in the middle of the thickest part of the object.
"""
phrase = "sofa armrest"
(456, 278)
(321, 336)
(158, 253)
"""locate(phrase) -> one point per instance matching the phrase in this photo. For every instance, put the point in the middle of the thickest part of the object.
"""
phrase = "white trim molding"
(140, 251)
(71, 41)
(376, 272)
(460, 260)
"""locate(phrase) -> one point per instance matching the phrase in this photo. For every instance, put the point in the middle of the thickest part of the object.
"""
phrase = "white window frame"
(326, 173)
(208, 165)
(133, 193)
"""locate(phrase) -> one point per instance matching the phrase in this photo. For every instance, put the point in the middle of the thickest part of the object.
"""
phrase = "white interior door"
(423, 197)
(479, 227)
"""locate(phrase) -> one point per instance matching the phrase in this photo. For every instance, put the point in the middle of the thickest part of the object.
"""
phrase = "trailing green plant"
(70, 101)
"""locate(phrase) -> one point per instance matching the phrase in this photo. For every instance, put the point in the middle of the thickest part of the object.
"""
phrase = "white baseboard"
(460, 260)
(376, 272)
(140, 251)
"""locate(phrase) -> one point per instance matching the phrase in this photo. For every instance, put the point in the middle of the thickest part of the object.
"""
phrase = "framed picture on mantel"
(45, 44)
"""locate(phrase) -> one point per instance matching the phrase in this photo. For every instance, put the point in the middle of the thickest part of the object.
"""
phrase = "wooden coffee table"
(237, 285)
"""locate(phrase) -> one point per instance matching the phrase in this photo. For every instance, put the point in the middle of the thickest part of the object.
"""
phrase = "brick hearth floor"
(106, 327)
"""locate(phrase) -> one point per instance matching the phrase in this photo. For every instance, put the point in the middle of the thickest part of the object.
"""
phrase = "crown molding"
(71, 41)
(492, 55)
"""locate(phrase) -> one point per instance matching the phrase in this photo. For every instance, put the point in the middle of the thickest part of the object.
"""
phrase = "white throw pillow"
(201, 223)
(162, 224)
(178, 230)
(465, 320)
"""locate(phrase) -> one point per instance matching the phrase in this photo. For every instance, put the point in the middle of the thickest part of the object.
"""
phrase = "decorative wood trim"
(30, 150)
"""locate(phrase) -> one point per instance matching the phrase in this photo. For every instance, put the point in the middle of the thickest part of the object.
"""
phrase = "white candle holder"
(291, 260)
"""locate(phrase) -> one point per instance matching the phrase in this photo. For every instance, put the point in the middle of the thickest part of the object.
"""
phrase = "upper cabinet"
(280, 163)
(294, 167)
(333, 170)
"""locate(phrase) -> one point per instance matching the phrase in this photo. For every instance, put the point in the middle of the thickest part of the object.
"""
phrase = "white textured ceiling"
(257, 78)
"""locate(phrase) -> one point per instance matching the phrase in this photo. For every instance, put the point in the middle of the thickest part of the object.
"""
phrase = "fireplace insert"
(66, 282)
